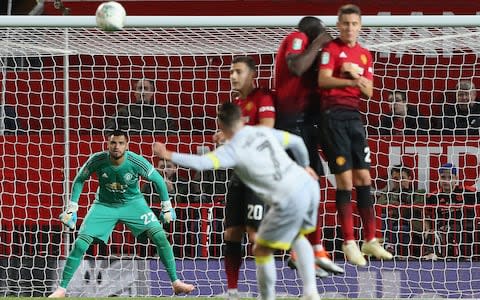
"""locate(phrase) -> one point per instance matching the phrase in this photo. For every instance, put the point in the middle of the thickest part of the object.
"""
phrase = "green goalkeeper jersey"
(118, 184)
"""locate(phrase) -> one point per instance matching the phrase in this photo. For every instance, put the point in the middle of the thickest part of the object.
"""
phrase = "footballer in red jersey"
(256, 107)
(244, 210)
(297, 104)
(345, 74)
(297, 108)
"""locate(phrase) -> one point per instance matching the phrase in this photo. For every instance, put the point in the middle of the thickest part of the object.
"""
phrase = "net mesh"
(189, 69)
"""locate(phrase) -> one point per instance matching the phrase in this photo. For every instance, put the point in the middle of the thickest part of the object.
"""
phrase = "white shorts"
(294, 215)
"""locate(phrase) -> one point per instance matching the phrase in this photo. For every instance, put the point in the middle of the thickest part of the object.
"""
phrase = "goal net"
(67, 85)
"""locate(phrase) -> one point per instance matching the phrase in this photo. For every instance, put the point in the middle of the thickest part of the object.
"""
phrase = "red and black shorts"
(343, 140)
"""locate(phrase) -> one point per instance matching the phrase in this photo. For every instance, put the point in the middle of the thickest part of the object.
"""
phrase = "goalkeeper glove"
(69, 216)
(168, 212)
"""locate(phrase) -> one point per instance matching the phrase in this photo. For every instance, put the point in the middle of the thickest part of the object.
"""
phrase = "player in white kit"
(258, 157)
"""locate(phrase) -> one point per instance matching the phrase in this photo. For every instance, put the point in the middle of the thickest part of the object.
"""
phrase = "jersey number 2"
(148, 217)
(367, 155)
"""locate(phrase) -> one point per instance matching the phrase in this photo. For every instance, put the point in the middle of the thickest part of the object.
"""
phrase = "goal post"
(65, 79)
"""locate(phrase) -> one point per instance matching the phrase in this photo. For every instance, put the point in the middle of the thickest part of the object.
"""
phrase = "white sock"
(232, 291)
(266, 276)
(306, 264)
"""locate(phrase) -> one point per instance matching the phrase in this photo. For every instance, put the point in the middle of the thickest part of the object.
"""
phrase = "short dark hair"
(229, 113)
(247, 60)
(118, 132)
(349, 9)
(311, 26)
(395, 169)
(401, 169)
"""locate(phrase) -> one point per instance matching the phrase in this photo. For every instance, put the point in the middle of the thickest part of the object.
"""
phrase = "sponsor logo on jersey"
(266, 108)
(104, 175)
(297, 44)
(363, 58)
(343, 55)
(360, 70)
(325, 58)
(357, 69)
(116, 187)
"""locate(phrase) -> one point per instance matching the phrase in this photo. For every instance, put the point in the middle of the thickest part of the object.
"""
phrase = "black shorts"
(243, 207)
(343, 140)
(308, 131)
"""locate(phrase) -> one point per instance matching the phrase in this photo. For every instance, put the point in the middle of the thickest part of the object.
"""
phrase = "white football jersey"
(258, 156)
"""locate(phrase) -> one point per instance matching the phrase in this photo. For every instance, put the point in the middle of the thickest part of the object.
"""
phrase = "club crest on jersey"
(297, 44)
(249, 106)
(325, 58)
(129, 177)
(364, 59)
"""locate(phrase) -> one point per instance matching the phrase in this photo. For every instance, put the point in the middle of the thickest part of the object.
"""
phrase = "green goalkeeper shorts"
(102, 218)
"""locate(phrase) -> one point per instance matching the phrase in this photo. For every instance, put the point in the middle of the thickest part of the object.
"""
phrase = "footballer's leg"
(98, 223)
(139, 218)
(362, 181)
(71, 265)
(235, 216)
(266, 272)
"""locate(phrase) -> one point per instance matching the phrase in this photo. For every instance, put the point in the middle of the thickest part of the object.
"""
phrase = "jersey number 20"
(255, 212)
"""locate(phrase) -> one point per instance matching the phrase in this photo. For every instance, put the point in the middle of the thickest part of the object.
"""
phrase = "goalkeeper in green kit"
(118, 199)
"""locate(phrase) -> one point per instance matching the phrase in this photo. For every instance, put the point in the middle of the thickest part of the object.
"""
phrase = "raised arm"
(218, 159)
(300, 63)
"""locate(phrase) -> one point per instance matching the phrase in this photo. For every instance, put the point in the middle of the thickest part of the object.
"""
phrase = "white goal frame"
(67, 22)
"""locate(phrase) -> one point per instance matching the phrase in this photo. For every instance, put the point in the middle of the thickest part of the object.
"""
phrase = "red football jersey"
(257, 105)
(293, 93)
(334, 54)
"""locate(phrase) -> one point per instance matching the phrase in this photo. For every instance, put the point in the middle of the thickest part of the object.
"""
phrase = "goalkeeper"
(118, 199)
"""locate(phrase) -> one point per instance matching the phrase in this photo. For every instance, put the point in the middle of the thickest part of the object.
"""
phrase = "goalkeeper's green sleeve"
(160, 185)
(77, 188)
